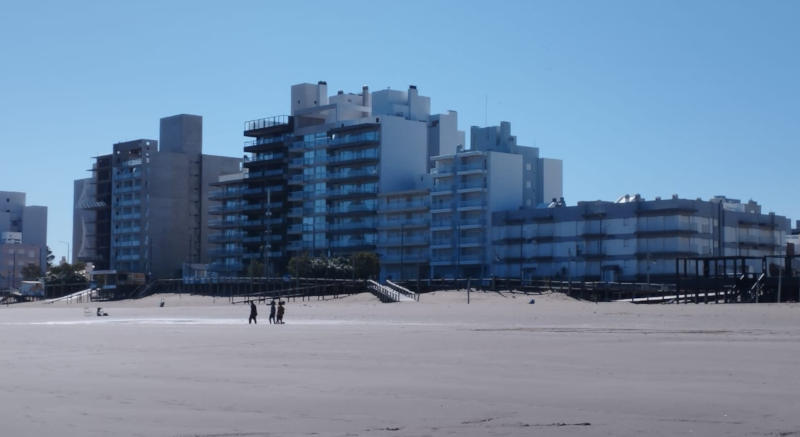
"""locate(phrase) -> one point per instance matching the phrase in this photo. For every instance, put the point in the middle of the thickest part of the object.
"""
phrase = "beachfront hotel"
(632, 239)
(145, 208)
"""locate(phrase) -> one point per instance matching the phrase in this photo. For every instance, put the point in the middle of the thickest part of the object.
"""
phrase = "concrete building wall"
(168, 234)
(551, 174)
(505, 181)
(403, 153)
(182, 133)
(12, 204)
(34, 225)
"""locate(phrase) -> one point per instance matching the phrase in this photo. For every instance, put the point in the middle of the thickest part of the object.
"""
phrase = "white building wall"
(403, 153)
(552, 175)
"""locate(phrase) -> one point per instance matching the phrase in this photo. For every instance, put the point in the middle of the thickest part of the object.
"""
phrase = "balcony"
(226, 252)
(130, 202)
(131, 257)
(128, 230)
(472, 204)
(406, 241)
(224, 194)
(132, 189)
(352, 139)
(403, 224)
(420, 205)
(132, 216)
(130, 243)
(344, 192)
(345, 209)
(352, 243)
(266, 174)
(472, 222)
(350, 226)
(369, 155)
(222, 238)
(353, 174)
(265, 123)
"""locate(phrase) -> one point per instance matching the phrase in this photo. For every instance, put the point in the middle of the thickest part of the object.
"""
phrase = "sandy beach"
(354, 366)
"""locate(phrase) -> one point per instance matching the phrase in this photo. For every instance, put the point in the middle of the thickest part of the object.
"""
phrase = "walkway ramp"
(387, 294)
(78, 296)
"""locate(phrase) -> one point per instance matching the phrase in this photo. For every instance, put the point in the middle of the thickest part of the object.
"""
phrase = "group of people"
(275, 313)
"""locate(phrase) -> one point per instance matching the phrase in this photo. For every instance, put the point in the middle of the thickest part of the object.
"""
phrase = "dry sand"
(354, 366)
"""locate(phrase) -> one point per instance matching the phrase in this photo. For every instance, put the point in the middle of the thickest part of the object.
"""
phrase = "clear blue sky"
(657, 97)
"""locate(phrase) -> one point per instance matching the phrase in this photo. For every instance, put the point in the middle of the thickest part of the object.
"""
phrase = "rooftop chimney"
(366, 98)
(322, 93)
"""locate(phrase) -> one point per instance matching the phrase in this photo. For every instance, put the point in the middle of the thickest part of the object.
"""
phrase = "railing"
(403, 223)
(349, 191)
(265, 140)
(344, 157)
(351, 208)
(351, 225)
(384, 293)
(403, 290)
(352, 174)
(266, 122)
(399, 206)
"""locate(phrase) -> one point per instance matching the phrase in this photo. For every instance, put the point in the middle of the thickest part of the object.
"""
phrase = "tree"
(299, 266)
(255, 269)
(31, 272)
(50, 258)
(366, 265)
(67, 273)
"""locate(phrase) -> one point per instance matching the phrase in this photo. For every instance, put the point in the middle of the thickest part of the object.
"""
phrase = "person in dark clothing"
(272, 312)
(253, 313)
(281, 310)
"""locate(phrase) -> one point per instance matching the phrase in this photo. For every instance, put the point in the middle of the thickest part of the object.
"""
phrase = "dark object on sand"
(161, 305)
(281, 310)
(100, 312)
(533, 301)
(253, 313)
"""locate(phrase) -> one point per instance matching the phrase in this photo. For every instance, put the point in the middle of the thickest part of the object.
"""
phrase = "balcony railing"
(264, 123)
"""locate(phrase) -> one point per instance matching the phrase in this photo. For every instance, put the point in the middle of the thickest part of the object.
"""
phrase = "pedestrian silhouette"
(272, 312)
(253, 314)
(281, 310)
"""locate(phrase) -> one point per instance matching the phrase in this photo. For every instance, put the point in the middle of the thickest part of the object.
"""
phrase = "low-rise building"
(631, 239)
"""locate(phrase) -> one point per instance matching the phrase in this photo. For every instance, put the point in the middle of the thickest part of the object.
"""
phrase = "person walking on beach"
(272, 312)
(280, 313)
(253, 313)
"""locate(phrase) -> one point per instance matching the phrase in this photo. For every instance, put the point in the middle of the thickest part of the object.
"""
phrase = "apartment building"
(467, 187)
(315, 176)
(631, 239)
(145, 208)
(403, 228)
(23, 237)
(541, 177)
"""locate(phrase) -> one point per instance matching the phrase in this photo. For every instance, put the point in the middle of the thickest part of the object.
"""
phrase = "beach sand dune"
(354, 367)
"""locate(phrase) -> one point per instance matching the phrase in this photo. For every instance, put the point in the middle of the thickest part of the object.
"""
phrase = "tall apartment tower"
(314, 177)
(144, 209)
(23, 237)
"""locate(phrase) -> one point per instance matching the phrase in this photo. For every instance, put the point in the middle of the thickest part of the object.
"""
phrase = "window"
(528, 166)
